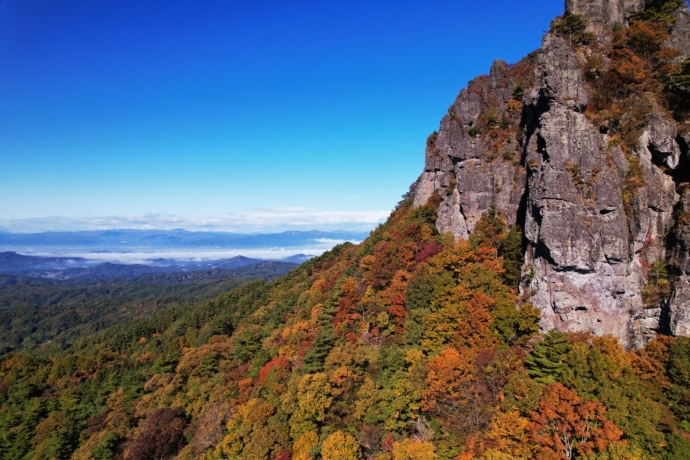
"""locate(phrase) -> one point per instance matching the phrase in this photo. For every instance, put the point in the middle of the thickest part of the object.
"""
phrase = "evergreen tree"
(513, 256)
(315, 357)
(546, 364)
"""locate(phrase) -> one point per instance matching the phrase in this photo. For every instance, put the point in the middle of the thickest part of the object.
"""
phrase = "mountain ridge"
(79, 268)
(172, 238)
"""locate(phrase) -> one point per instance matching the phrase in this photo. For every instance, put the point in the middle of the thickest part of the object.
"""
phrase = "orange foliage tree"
(452, 391)
(564, 424)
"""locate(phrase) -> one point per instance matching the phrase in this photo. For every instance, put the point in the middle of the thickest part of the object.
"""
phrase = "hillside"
(48, 316)
(431, 339)
(406, 346)
(80, 269)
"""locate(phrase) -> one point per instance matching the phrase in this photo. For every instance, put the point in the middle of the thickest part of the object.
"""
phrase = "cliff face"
(592, 165)
(604, 14)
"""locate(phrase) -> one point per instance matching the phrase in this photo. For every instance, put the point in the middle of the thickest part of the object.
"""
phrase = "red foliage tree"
(162, 437)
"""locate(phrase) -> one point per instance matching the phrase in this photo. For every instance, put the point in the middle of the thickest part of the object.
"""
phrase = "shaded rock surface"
(590, 237)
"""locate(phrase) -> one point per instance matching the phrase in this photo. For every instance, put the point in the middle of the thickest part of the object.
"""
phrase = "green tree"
(489, 230)
(325, 337)
(574, 28)
(513, 256)
(547, 362)
(659, 10)
(658, 287)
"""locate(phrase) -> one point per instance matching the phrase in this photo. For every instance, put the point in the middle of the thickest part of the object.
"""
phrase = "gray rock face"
(464, 167)
(591, 236)
(586, 250)
(602, 15)
(679, 308)
(680, 38)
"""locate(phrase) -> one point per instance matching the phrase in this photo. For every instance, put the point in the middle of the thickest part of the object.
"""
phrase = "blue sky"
(255, 115)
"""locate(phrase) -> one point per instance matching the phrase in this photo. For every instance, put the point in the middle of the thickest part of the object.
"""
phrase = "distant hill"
(298, 258)
(77, 268)
(50, 314)
(125, 253)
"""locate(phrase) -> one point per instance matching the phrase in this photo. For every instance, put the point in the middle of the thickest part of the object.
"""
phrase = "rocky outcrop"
(679, 244)
(680, 38)
(603, 15)
(471, 171)
(596, 213)
(587, 247)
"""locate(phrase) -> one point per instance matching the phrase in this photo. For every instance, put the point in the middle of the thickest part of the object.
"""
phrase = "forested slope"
(406, 346)
(47, 316)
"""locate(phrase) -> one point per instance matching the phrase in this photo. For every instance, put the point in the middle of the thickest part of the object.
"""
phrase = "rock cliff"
(584, 145)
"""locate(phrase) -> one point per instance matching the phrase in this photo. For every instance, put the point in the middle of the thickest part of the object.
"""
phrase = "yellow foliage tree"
(508, 433)
(307, 403)
(249, 435)
(303, 444)
(340, 446)
(412, 449)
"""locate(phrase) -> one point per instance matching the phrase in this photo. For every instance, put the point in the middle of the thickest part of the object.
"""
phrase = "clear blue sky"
(144, 111)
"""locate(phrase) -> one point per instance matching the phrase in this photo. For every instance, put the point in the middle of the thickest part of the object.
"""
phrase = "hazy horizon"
(129, 246)
(267, 221)
(148, 258)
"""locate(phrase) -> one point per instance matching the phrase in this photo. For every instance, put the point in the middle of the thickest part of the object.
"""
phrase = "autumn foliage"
(409, 345)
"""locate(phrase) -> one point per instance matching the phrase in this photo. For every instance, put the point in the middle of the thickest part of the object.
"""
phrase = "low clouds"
(260, 221)
(179, 256)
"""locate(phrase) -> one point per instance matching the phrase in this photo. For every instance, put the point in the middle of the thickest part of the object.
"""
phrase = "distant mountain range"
(63, 268)
(126, 253)
(118, 240)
